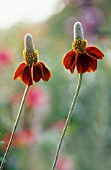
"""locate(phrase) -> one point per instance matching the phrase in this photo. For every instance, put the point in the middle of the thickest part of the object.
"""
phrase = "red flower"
(32, 69)
(84, 58)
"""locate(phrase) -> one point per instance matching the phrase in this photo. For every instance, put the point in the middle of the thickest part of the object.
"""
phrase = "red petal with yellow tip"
(46, 74)
(26, 76)
(37, 72)
(94, 52)
(83, 61)
(69, 60)
(19, 70)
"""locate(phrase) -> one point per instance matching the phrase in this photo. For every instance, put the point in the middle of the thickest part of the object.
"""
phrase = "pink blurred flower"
(65, 163)
(21, 138)
(5, 57)
(59, 125)
(36, 97)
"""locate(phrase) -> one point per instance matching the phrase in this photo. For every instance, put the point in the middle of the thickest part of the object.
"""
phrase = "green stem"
(14, 128)
(67, 121)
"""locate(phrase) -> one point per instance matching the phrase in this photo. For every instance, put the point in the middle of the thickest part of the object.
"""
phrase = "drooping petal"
(83, 61)
(94, 52)
(69, 60)
(19, 70)
(37, 72)
(26, 76)
(72, 68)
(46, 74)
(92, 65)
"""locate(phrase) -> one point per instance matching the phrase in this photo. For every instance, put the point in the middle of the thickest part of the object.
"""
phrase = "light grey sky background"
(12, 11)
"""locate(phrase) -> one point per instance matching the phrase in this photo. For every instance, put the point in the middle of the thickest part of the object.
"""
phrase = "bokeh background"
(87, 144)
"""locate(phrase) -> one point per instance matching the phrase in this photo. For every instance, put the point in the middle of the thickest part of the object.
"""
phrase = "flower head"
(32, 69)
(82, 57)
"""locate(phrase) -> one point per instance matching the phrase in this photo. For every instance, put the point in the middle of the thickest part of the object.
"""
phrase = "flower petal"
(72, 68)
(92, 65)
(37, 72)
(19, 70)
(69, 60)
(46, 74)
(83, 61)
(94, 52)
(26, 76)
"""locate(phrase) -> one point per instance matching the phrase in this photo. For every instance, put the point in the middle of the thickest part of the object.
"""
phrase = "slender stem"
(14, 128)
(67, 121)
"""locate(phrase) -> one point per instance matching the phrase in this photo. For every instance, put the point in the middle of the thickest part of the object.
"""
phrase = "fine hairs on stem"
(78, 33)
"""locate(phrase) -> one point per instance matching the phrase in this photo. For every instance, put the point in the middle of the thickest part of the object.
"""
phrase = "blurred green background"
(87, 144)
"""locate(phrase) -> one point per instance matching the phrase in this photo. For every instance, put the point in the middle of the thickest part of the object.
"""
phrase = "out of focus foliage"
(87, 144)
